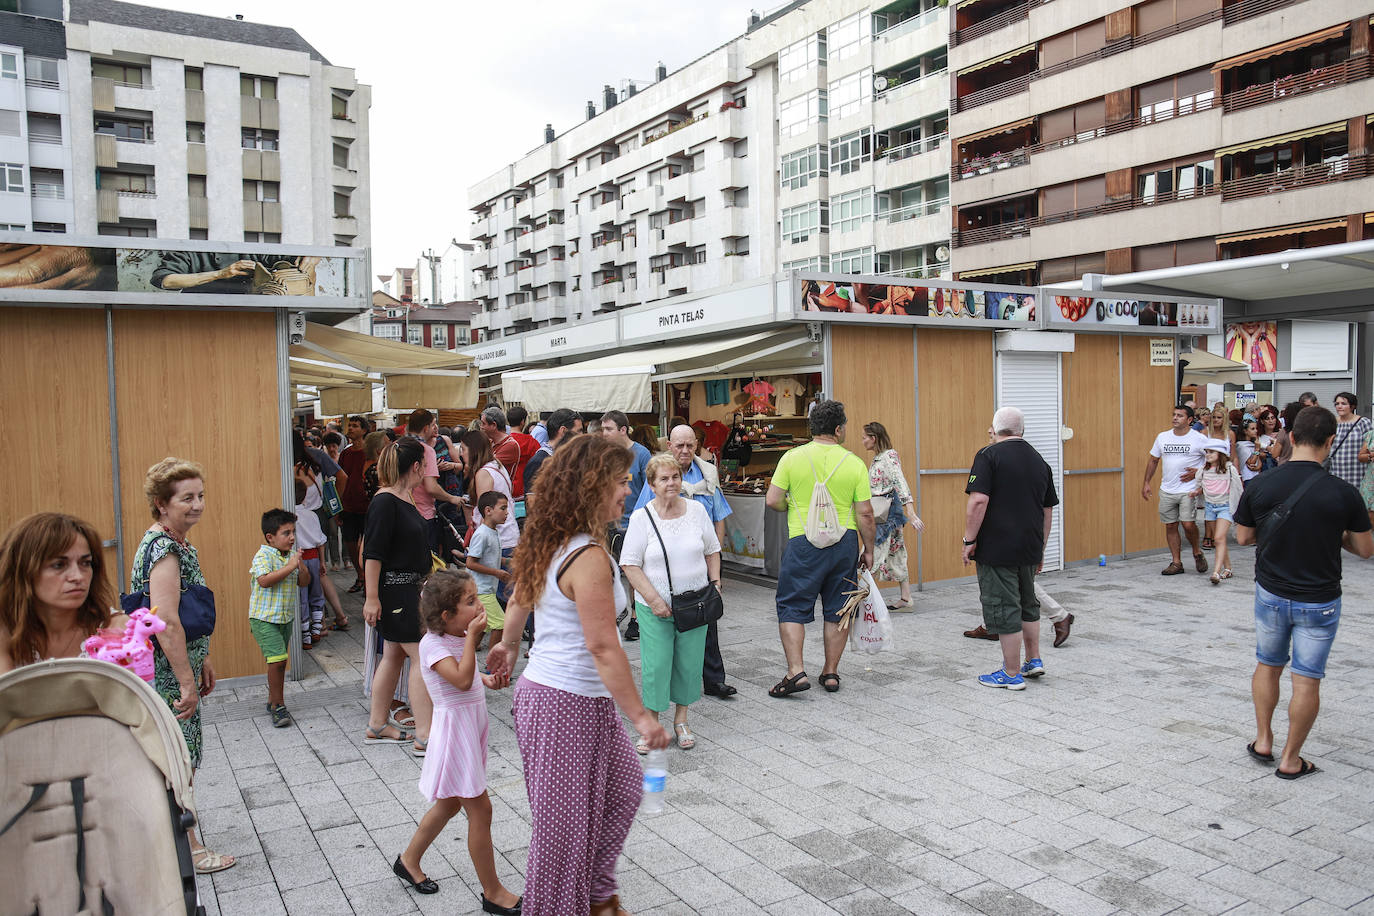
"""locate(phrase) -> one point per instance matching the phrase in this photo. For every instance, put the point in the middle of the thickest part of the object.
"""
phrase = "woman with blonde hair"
(581, 772)
(54, 590)
(885, 478)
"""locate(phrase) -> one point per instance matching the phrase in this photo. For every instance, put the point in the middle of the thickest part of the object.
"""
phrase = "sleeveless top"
(500, 482)
(560, 657)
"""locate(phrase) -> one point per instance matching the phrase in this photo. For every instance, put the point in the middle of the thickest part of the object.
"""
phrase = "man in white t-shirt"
(1179, 450)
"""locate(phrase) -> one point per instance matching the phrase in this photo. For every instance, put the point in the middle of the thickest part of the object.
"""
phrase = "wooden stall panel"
(203, 386)
(957, 385)
(1092, 409)
(1148, 395)
(55, 383)
(1092, 515)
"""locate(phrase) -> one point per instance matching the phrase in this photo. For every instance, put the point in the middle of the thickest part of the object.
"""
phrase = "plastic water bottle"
(655, 780)
(1101, 559)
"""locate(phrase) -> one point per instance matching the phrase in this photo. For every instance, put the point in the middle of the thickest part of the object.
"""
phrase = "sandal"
(900, 605)
(341, 624)
(1216, 578)
(641, 747)
(831, 682)
(375, 736)
(1208, 544)
(609, 907)
(788, 686)
(1308, 768)
(685, 739)
(357, 587)
(1225, 573)
(403, 721)
(1173, 569)
(1200, 561)
(418, 748)
(207, 862)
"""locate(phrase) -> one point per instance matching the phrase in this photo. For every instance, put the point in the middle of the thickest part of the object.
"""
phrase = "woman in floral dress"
(885, 478)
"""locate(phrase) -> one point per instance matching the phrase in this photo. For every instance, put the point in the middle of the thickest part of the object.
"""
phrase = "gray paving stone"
(1189, 890)
(254, 900)
(994, 899)
(325, 898)
(1254, 888)
(1066, 899)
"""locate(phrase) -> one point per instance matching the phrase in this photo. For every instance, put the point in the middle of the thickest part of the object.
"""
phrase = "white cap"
(1217, 445)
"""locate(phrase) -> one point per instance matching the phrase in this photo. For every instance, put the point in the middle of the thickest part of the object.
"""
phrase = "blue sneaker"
(1033, 668)
(1000, 678)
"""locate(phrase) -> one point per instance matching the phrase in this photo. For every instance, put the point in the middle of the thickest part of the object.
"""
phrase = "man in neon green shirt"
(809, 572)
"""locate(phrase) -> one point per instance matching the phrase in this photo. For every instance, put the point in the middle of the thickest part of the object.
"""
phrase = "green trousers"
(670, 661)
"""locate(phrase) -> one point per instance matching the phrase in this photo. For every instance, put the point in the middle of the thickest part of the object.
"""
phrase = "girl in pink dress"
(454, 777)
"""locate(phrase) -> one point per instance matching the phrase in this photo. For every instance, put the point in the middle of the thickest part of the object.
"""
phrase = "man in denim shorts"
(1301, 517)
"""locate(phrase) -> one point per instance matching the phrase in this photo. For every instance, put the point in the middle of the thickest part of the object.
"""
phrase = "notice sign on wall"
(1161, 351)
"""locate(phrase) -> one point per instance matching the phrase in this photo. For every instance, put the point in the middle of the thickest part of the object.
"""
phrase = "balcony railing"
(35, 83)
(129, 192)
(1357, 68)
(48, 192)
(892, 92)
(1248, 9)
(909, 25)
(1346, 168)
(915, 211)
(993, 93)
(925, 272)
(993, 23)
(915, 148)
(44, 138)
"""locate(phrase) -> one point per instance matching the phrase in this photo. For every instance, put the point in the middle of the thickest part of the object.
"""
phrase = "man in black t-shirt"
(1301, 517)
(1010, 505)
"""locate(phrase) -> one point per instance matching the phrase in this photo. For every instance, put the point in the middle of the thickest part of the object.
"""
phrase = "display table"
(754, 537)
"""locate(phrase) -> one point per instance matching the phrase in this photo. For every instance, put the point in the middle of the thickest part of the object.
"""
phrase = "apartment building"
(1095, 136)
(815, 140)
(146, 122)
(441, 327)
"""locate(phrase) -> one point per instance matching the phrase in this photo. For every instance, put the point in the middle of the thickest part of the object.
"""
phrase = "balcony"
(549, 236)
(1249, 9)
(550, 308)
(554, 271)
(914, 98)
(910, 38)
(483, 227)
(1349, 71)
(1016, 12)
(912, 163)
(1344, 168)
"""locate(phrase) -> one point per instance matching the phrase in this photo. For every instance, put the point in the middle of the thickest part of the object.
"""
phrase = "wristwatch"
(970, 543)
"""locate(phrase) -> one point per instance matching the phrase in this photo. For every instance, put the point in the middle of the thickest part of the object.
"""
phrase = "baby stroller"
(95, 795)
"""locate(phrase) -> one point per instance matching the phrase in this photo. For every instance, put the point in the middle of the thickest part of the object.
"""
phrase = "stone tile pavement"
(1118, 783)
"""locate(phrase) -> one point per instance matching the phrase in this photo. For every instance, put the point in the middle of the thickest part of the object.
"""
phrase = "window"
(195, 186)
(342, 203)
(41, 72)
(821, 263)
(142, 230)
(800, 223)
(13, 227)
(341, 154)
(846, 37)
(45, 128)
(271, 237)
(123, 74)
(801, 58)
(849, 94)
(256, 138)
(388, 331)
(857, 261)
(195, 132)
(415, 334)
(852, 210)
(125, 182)
(847, 153)
(339, 107)
(262, 87)
(1177, 95)
(134, 131)
(195, 78)
(9, 66)
(802, 113)
(1174, 181)
(47, 183)
(11, 177)
(9, 123)
(199, 234)
(49, 227)
(438, 336)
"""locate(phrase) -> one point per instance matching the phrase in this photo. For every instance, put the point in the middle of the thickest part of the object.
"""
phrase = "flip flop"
(831, 682)
(788, 686)
(1308, 768)
(1262, 758)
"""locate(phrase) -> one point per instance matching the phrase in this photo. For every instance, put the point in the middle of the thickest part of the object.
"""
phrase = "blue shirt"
(641, 461)
(540, 432)
(485, 548)
(716, 506)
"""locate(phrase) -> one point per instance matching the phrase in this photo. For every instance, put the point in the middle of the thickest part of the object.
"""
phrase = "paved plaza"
(1119, 782)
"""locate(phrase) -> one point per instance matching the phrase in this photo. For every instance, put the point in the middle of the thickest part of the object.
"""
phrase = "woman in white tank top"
(571, 740)
(490, 475)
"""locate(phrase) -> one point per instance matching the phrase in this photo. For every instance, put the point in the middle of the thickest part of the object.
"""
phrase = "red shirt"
(507, 451)
(354, 496)
(528, 446)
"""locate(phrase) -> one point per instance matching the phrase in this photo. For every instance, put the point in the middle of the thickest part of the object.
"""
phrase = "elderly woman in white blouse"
(669, 534)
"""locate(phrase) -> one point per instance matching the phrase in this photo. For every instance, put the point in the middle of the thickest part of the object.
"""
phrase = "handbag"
(881, 505)
(196, 607)
(329, 493)
(690, 609)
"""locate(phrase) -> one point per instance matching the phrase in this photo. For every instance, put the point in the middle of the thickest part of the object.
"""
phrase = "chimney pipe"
(608, 97)
(591, 111)
(548, 133)
(633, 89)
(661, 72)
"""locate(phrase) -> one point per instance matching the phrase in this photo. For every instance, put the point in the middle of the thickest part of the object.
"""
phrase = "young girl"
(454, 777)
(1214, 485)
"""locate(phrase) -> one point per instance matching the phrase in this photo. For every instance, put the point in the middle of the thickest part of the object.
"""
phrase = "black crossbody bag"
(690, 609)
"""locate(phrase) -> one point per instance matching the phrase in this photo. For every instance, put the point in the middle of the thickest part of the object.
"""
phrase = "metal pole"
(114, 447)
(286, 402)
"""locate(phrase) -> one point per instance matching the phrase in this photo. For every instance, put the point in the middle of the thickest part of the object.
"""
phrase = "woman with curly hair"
(581, 772)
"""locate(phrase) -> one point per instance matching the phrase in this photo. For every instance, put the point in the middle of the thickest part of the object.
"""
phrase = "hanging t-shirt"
(1177, 454)
(717, 392)
(713, 434)
(788, 390)
(759, 393)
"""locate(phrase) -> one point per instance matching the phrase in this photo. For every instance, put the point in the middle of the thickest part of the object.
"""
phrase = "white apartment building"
(157, 123)
(816, 140)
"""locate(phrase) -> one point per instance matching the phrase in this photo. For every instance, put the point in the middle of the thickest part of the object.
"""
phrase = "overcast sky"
(461, 89)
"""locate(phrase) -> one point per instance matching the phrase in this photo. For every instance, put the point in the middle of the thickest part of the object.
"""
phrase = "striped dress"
(456, 756)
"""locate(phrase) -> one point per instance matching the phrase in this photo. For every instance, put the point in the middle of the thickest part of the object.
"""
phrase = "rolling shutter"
(1030, 381)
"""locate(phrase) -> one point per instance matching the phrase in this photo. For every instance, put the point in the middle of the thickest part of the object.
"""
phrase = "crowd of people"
(513, 530)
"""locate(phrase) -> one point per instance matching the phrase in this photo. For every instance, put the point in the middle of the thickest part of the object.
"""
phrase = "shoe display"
(1061, 630)
(1000, 678)
(1033, 668)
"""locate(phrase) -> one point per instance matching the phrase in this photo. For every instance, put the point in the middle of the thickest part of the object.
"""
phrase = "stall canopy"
(344, 365)
(1207, 368)
(624, 381)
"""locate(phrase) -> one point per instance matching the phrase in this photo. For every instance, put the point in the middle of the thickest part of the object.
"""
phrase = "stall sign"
(571, 338)
(496, 353)
(1255, 343)
(1096, 313)
(1161, 351)
(689, 318)
(1246, 399)
(881, 300)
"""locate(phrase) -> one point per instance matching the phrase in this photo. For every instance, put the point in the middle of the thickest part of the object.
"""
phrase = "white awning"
(414, 376)
(623, 381)
(1207, 368)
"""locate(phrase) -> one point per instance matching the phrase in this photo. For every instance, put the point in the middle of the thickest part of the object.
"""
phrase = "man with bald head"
(700, 481)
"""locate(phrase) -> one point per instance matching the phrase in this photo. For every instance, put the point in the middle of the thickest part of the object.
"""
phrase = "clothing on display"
(759, 393)
(717, 392)
(788, 389)
(682, 401)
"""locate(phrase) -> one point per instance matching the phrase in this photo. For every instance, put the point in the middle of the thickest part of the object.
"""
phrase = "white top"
(1244, 449)
(560, 657)
(308, 531)
(1177, 454)
(690, 537)
(500, 482)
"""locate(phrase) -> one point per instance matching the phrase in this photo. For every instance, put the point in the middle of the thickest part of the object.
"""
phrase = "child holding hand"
(454, 776)
(1214, 486)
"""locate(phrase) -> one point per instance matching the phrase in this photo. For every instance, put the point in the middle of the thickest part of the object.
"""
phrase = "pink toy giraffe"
(130, 649)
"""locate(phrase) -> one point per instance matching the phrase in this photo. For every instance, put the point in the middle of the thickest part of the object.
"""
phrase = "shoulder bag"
(329, 496)
(690, 609)
(196, 607)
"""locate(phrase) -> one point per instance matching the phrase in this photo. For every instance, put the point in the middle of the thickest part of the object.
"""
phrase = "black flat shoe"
(720, 691)
(427, 886)
(489, 907)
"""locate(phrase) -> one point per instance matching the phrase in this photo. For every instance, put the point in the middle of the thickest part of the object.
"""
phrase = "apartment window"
(849, 152)
(1076, 197)
(1177, 95)
(438, 336)
(802, 113)
(9, 66)
(142, 229)
(195, 186)
(846, 37)
(741, 149)
(11, 177)
(13, 227)
(800, 223)
(122, 74)
(45, 128)
(125, 182)
(341, 154)
(132, 130)
(415, 334)
(200, 234)
(388, 331)
(1083, 121)
(821, 263)
(47, 183)
(256, 138)
(49, 227)
(342, 204)
(9, 123)
(261, 87)
(1174, 180)
(41, 72)
(1075, 44)
(801, 57)
(195, 132)
(857, 261)
(269, 237)
(339, 107)
(195, 78)
(848, 94)
(852, 210)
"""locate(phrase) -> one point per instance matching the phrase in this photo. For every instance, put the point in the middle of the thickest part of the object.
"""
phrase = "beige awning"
(992, 132)
(1283, 230)
(1282, 48)
(338, 402)
(1283, 138)
(989, 271)
(414, 376)
(1207, 368)
(997, 60)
